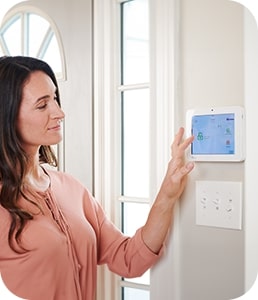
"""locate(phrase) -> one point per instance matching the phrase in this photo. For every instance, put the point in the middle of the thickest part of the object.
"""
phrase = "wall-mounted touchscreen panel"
(218, 133)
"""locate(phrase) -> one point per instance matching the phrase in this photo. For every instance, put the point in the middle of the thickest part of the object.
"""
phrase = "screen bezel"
(239, 116)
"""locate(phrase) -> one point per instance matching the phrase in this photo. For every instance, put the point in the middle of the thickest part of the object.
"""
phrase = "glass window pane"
(135, 135)
(135, 294)
(38, 27)
(135, 42)
(12, 39)
(53, 57)
(134, 217)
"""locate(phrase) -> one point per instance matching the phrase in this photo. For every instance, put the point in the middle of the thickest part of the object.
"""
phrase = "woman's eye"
(42, 106)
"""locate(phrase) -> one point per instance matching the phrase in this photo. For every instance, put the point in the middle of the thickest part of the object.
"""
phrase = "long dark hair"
(14, 72)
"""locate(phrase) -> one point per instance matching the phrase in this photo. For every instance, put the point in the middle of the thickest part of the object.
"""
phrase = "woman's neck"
(36, 176)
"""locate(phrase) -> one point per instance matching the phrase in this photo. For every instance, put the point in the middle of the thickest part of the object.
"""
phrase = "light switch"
(219, 204)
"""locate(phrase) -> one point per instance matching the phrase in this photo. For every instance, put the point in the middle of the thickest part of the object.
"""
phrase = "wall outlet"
(219, 204)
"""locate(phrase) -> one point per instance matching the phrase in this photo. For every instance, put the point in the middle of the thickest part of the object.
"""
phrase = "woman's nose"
(57, 112)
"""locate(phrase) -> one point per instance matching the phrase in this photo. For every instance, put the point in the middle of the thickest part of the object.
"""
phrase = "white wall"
(251, 103)
(212, 260)
(218, 66)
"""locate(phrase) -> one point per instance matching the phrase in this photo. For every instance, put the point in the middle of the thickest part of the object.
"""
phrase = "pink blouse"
(66, 243)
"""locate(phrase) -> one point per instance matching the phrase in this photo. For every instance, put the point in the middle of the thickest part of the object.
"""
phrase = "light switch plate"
(219, 204)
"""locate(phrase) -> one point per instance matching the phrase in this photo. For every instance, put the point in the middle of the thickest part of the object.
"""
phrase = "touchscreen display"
(214, 134)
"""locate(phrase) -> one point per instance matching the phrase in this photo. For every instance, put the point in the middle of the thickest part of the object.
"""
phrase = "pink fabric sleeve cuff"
(144, 250)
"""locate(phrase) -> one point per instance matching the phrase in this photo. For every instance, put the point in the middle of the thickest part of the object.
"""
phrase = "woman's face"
(39, 116)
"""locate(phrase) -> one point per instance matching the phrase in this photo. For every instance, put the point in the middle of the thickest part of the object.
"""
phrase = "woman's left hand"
(161, 214)
(175, 178)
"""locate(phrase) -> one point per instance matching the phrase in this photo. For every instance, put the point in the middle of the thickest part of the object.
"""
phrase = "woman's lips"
(57, 127)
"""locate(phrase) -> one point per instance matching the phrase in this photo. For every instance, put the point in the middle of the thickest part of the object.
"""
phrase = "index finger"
(179, 146)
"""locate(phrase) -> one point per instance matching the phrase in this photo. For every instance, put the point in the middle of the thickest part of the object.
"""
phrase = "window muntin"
(38, 27)
(11, 41)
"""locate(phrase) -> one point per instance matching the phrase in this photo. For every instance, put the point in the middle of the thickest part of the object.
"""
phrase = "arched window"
(26, 30)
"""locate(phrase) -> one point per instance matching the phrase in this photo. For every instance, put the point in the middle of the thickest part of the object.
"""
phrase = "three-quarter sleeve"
(124, 255)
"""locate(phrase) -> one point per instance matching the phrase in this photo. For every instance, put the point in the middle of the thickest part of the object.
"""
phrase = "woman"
(53, 233)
